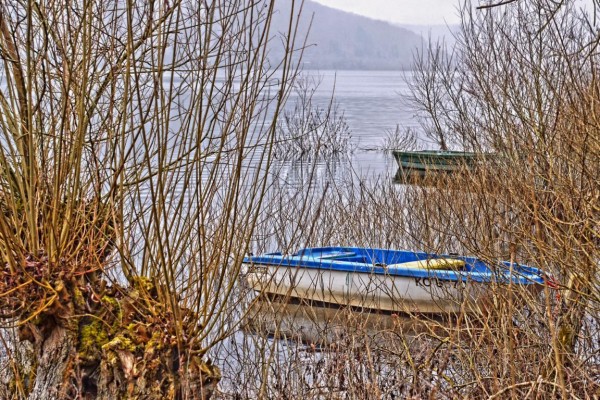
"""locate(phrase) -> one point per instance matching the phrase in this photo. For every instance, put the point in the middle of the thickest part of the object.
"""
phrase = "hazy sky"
(413, 12)
(418, 12)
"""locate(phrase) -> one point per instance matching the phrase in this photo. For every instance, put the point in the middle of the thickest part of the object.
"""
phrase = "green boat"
(437, 160)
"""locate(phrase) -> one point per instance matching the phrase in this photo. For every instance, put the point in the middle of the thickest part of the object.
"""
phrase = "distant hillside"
(435, 32)
(341, 40)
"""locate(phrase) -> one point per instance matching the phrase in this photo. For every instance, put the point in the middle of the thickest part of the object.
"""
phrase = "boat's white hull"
(380, 292)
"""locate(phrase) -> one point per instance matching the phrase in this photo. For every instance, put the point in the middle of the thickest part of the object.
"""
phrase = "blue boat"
(391, 280)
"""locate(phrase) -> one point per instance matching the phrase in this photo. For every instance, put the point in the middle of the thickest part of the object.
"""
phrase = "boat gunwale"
(443, 154)
(521, 274)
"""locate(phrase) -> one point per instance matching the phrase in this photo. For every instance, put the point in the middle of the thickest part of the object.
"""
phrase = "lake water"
(373, 104)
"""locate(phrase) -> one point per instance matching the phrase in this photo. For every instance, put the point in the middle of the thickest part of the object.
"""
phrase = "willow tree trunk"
(103, 344)
(39, 368)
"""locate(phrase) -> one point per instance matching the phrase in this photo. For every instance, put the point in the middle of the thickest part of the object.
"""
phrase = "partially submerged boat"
(391, 280)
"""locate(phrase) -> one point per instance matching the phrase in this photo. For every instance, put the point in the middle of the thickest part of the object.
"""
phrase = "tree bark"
(115, 349)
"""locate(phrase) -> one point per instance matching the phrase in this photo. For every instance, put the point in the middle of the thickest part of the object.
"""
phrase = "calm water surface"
(373, 104)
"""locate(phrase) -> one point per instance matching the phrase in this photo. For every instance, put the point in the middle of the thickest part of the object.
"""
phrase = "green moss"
(92, 336)
(78, 296)
(114, 312)
(120, 342)
(154, 344)
(156, 341)
(111, 301)
(141, 282)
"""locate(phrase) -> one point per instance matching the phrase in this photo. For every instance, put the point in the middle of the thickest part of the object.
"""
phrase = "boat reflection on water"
(410, 177)
(417, 177)
(323, 324)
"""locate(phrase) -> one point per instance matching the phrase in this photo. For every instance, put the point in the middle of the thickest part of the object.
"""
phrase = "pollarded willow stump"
(82, 339)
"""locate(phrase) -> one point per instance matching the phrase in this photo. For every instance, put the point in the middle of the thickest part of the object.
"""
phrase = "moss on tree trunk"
(95, 341)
